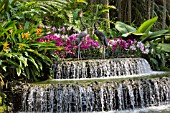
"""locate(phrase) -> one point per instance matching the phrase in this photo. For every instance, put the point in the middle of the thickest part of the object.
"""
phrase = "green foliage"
(157, 57)
(143, 32)
(164, 47)
(147, 25)
(124, 28)
(155, 35)
(9, 9)
(91, 13)
(21, 55)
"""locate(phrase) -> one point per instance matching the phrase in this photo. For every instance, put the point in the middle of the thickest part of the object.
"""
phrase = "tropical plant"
(21, 55)
(143, 32)
(46, 11)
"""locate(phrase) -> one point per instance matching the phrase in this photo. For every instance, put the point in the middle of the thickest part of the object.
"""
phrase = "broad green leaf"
(132, 33)
(147, 25)
(124, 28)
(164, 47)
(154, 35)
(157, 34)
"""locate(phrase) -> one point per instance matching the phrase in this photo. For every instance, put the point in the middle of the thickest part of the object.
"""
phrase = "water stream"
(101, 68)
(108, 96)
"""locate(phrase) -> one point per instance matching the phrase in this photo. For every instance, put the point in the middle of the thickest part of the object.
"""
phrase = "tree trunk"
(125, 13)
(149, 9)
(106, 14)
(119, 10)
(164, 15)
(129, 10)
(153, 8)
(164, 18)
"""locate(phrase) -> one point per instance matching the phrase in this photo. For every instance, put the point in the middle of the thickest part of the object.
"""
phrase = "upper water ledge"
(100, 68)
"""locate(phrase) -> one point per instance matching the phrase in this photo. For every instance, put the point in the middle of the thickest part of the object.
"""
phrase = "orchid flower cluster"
(129, 46)
(67, 44)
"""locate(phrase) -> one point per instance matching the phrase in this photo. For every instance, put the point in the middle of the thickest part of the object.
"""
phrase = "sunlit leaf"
(147, 25)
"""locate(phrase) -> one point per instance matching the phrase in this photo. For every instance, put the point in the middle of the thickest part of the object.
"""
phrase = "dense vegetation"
(33, 34)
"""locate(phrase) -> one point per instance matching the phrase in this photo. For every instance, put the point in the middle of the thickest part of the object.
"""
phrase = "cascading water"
(108, 95)
(101, 68)
(128, 94)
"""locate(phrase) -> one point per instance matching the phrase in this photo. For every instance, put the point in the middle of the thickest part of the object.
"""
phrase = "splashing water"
(128, 94)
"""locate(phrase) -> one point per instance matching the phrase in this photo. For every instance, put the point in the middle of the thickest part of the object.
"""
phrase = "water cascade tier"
(100, 68)
(93, 96)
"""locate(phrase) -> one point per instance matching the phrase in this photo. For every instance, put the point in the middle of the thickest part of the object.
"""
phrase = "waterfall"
(101, 68)
(128, 94)
(95, 96)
